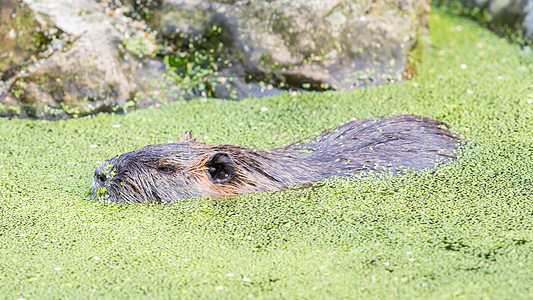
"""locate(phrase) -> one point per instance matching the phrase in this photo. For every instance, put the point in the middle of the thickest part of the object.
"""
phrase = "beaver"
(175, 171)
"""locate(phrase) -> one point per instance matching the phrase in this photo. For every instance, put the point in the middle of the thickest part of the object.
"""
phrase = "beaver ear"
(187, 136)
(221, 168)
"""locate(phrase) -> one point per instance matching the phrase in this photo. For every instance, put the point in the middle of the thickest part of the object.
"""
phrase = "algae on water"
(463, 230)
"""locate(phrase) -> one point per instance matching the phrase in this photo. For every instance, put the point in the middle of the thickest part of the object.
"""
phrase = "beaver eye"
(166, 169)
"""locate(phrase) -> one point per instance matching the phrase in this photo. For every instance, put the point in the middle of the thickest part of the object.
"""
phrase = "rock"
(24, 36)
(307, 44)
(66, 58)
(514, 14)
(88, 71)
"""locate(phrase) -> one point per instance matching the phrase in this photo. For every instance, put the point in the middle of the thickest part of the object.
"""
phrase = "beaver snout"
(102, 177)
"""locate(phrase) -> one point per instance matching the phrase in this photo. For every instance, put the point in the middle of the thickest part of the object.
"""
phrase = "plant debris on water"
(464, 230)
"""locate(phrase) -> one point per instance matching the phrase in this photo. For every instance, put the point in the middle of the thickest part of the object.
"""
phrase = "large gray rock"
(87, 71)
(339, 44)
(63, 58)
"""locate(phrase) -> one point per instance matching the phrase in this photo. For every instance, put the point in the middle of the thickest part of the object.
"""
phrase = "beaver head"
(164, 172)
(174, 171)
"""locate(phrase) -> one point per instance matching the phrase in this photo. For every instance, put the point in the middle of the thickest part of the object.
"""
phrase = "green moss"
(141, 44)
(192, 67)
(461, 231)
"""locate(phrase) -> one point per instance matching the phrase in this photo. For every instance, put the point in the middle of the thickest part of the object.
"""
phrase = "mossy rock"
(87, 67)
(315, 45)
(510, 18)
(24, 37)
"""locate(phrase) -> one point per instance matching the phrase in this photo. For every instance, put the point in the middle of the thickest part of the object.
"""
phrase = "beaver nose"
(99, 174)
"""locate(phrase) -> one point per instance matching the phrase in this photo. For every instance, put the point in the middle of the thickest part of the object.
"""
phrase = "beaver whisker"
(186, 169)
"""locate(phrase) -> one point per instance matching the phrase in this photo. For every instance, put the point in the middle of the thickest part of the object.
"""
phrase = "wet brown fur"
(170, 172)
